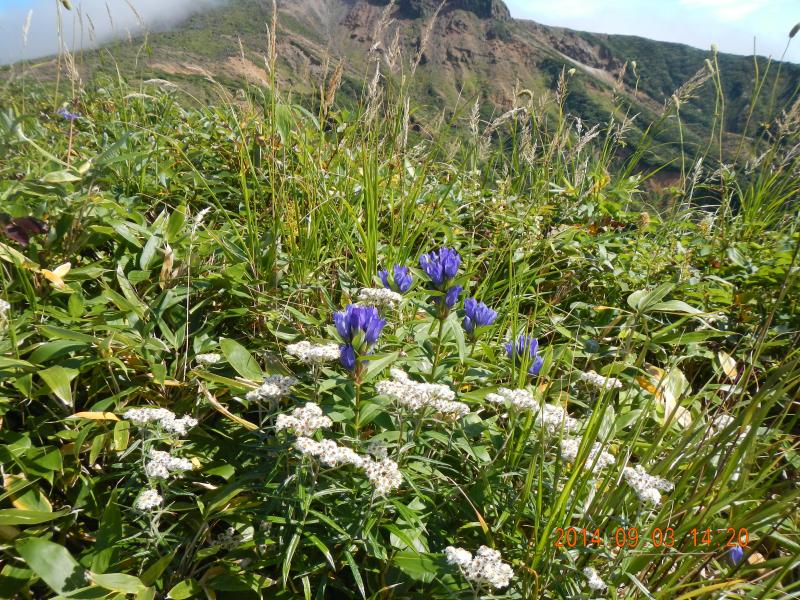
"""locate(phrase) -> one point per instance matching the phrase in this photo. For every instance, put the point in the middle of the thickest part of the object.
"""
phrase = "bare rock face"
(484, 9)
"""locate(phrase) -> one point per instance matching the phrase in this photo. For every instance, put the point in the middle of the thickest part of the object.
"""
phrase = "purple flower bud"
(477, 314)
(451, 297)
(526, 347)
(69, 116)
(735, 555)
(401, 280)
(347, 356)
(440, 266)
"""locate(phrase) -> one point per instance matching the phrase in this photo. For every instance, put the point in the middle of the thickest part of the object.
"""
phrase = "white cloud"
(729, 10)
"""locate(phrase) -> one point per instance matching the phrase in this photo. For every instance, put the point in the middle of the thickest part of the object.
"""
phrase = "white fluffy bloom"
(418, 397)
(521, 399)
(379, 297)
(273, 388)
(552, 418)
(148, 500)
(4, 308)
(163, 464)
(384, 475)
(569, 452)
(598, 381)
(485, 568)
(210, 358)
(304, 421)
(314, 354)
(163, 418)
(328, 452)
(647, 487)
(595, 583)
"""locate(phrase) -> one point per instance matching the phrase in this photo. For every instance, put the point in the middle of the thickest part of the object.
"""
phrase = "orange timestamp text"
(659, 537)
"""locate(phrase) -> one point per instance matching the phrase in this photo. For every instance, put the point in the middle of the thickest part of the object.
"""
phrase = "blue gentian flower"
(451, 297)
(526, 347)
(359, 327)
(477, 314)
(735, 555)
(69, 116)
(441, 266)
(399, 282)
(347, 356)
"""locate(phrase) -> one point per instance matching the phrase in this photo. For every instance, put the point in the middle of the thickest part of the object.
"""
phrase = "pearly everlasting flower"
(148, 500)
(598, 459)
(550, 417)
(161, 417)
(377, 449)
(477, 314)
(4, 308)
(314, 354)
(304, 421)
(525, 348)
(273, 388)
(384, 475)
(595, 583)
(418, 397)
(210, 358)
(519, 399)
(647, 487)
(599, 381)
(486, 568)
(379, 297)
(399, 281)
(328, 452)
(162, 464)
(555, 418)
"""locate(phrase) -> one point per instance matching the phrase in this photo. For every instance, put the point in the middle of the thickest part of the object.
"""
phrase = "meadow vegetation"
(199, 399)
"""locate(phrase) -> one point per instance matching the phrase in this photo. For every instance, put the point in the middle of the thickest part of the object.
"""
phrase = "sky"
(731, 24)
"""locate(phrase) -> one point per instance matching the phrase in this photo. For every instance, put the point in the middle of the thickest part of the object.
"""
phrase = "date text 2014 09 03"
(659, 537)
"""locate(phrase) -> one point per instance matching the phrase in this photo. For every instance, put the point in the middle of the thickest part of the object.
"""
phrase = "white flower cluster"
(211, 358)
(163, 464)
(384, 474)
(148, 500)
(4, 308)
(314, 354)
(485, 568)
(273, 388)
(569, 452)
(417, 396)
(595, 583)
(647, 487)
(379, 297)
(304, 421)
(163, 418)
(598, 381)
(521, 399)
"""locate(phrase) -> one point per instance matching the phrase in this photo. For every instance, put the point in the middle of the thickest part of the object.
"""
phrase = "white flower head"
(595, 583)
(647, 487)
(598, 381)
(4, 308)
(162, 464)
(598, 458)
(210, 358)
(520, 399)
(383, 474)
(304, 421)
(379, 297)
(148, 500)
(160, 417)
(273, 388)
(314, 354)
(418, 397)
(486, 568)
(328, 452)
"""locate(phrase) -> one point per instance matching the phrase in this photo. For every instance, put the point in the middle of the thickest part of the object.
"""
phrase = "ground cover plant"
(252, 351)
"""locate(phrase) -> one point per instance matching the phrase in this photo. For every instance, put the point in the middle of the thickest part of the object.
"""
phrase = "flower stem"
(438, 349)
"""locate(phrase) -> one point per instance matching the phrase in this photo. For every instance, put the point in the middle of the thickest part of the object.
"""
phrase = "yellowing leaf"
(56, 276)
(728, 364)
(668, 387)
(96, 416)
(26, 495)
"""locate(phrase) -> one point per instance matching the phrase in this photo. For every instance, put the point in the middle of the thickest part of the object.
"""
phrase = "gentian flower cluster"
(476, 314)
(359, 328)
(526, 348)
(441, 266)
(66, 114)
(399, 281)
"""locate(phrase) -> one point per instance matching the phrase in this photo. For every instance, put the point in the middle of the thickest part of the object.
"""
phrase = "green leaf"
(376, 366)
(149, 252)
(419, 567)
(675, 306)
(60, 176)
(356, 573)
(241, 360)
(53, 563)
(154, 571)
(118, 582)
(185, 589)
(58, 380)
(13, 516)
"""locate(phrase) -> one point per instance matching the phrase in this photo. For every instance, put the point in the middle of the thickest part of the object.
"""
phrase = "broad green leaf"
(377, 366)
(241, 360)
(185, 589)
(117, 582)
(12, 516)
(26, 495)
(60, 176)
(58, 379)
(419, 567)
(53, 564)
(676, 307)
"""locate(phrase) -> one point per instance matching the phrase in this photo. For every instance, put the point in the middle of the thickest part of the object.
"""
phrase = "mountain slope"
(475, 49)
